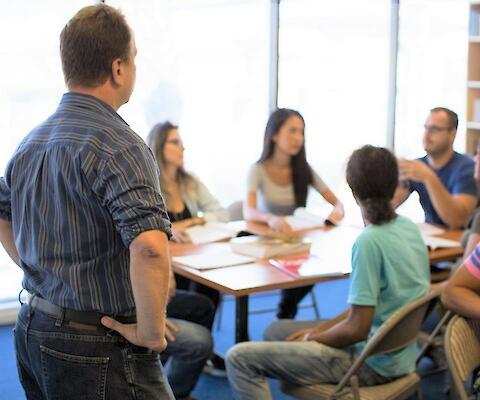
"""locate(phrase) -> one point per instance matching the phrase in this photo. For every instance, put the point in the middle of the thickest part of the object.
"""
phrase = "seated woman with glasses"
(188, 200)
(188, 203)
(278, 183)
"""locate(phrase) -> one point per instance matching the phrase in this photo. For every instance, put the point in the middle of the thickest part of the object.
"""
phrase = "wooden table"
(243, 280)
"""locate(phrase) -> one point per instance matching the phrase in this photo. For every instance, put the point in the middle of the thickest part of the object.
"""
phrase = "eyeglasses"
(176, 142)
(435, 128)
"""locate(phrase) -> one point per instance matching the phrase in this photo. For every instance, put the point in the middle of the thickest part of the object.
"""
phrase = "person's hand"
(336, 216)
(279, 224)
(181, 236)
(412, 170)
(129, 332)
(170, 330)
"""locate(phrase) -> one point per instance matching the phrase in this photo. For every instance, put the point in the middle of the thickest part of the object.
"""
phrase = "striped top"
(473, 262)
(78, 189)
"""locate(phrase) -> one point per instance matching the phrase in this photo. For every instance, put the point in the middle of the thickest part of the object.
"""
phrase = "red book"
(305, 266)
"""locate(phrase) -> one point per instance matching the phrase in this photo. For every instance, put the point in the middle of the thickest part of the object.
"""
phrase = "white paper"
(302, 219)
(226, 258)
(429, 229)
(437, 243)
(211, 232)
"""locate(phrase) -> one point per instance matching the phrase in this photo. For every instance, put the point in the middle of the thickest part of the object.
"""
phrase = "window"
(333, 68)
(203, 64)
(432, 68)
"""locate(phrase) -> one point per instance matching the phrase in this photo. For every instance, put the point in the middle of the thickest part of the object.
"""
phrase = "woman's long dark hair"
(156, 140)
(301, 171)
(372, 174)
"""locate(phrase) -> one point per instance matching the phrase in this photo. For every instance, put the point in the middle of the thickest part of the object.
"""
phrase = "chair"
(235, 211)
(398, 331)
(462, 348)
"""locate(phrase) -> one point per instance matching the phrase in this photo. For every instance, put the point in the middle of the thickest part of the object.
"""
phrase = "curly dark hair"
(372, 174)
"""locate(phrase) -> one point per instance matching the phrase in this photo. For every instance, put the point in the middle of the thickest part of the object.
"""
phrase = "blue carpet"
(331, 298)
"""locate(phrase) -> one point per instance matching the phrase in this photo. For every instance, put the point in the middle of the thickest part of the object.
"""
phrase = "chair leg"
(219, 312)
(314, 304)
(418, 394)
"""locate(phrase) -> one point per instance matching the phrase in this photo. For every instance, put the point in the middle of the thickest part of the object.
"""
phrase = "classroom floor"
(209, 388)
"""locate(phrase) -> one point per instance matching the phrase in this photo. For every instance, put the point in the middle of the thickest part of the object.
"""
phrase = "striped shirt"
(78, 189)
(473, 262)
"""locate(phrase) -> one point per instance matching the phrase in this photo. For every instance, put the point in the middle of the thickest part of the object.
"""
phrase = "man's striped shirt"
(79, 188)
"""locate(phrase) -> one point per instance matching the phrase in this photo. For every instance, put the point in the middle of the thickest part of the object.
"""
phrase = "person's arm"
(454, 210)
(304, 334)
(400, 196)
(138, 213)
(8, 243)
(150, 275)
(462, 293)
(350, 330)
(210, 207)
(338, 211)
(251, 213)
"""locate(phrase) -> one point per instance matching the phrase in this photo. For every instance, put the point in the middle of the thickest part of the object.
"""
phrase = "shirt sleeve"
(129, 187)
(465, 182)
(318, 183)
(253, 178)
(209, 205)
(365, 279)
(5, 200)
(473, 262)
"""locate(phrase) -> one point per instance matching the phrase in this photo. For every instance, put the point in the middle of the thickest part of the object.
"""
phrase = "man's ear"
(117, 72)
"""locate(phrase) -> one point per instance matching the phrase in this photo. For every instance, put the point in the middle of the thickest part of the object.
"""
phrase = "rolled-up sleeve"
(128, 185)
(5, 200)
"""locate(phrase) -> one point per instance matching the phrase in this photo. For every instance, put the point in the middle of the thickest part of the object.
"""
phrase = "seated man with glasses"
(443, 178)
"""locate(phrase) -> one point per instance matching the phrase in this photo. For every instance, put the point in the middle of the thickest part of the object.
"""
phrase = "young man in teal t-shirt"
(390, 269)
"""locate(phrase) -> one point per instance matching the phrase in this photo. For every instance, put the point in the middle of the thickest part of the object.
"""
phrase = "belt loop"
(59, 320)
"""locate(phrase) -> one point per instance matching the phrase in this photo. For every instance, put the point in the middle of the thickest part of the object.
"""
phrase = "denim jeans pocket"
(69, 376)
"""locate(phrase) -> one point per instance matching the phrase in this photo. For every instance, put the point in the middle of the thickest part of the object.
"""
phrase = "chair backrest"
(462, 348)
(396, 332)
(402, 327)
(235, 211)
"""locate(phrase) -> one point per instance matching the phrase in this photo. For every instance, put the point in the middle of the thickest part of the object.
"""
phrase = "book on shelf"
(266, 247)
(309, 265)
(303, 219)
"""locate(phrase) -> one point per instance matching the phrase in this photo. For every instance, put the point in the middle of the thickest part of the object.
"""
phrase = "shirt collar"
(89, 102)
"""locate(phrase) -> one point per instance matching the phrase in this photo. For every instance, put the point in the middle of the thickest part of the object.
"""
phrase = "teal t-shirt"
(390, 269)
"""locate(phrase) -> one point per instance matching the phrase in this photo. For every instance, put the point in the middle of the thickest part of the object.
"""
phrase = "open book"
(220, 259)
(265, 247)
(433, 242)
(308, 266)
(211, 232)
(303, 219)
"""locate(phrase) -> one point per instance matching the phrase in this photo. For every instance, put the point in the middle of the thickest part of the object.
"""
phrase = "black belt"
(68, 315)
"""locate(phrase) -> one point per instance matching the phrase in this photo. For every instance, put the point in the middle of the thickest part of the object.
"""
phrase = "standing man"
(443, 178)
(81, 213)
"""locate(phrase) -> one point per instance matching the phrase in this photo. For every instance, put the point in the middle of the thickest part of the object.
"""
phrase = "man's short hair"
(452, 116)
(89, 43)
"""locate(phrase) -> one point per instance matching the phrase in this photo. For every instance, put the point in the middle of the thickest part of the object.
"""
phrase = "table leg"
(241, 319)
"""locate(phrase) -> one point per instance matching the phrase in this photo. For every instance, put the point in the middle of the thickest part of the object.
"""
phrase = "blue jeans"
(186, 356)
(56, 361)
(302, 363)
